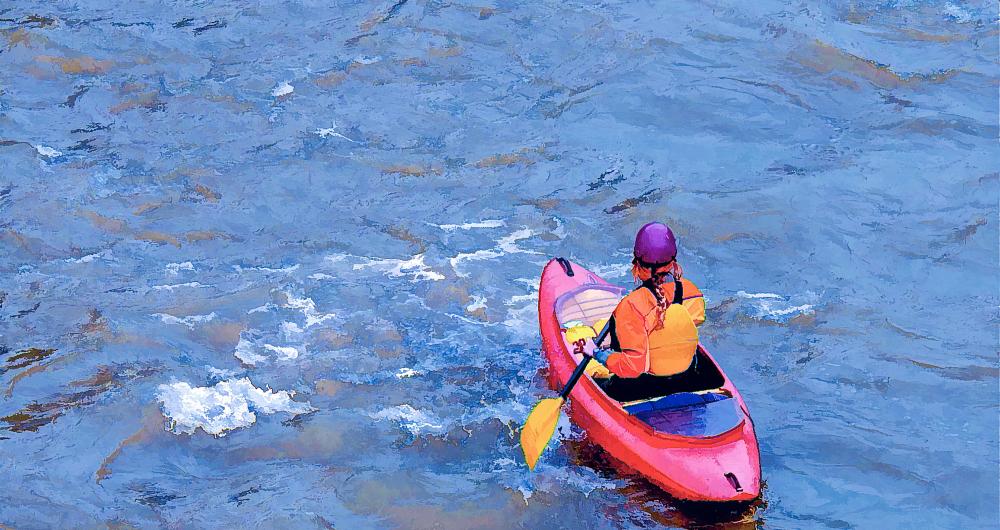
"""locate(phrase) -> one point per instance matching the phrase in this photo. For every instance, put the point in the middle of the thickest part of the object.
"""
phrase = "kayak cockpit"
(703, 410)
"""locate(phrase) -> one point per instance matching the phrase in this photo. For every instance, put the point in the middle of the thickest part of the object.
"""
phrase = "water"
(317, 229)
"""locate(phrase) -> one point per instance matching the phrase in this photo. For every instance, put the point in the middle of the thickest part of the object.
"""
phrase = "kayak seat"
(673, 401)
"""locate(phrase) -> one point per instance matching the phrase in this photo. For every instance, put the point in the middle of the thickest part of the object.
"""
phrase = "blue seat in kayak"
(680, 399)
(690, 414)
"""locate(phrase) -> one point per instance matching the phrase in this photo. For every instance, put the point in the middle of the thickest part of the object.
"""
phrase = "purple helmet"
(655, 245)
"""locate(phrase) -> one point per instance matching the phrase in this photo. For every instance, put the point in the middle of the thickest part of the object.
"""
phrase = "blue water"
(316, 229)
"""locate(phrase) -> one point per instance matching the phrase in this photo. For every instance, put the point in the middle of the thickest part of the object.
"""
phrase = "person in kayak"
(654, 334)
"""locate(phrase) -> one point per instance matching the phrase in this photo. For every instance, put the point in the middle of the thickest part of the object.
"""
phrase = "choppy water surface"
(316, 230)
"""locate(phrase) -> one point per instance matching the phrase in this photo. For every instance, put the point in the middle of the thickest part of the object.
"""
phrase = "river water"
(275, 265)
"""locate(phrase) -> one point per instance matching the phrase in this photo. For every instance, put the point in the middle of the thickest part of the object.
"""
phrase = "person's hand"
(601, 356)
(584, 346)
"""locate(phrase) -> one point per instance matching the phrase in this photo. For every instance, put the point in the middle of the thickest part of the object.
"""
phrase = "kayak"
(696, 446)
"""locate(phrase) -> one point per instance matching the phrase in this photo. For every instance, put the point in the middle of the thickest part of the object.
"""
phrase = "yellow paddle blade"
(538, 429)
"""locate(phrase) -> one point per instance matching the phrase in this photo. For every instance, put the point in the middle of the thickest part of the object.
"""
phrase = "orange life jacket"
(648, 339)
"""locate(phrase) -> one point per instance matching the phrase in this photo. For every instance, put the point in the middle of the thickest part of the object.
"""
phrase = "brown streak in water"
(541, 204)
(149, 206)
(231, 102)
(21, 375)
(151, 424)
(403, 234)
(36, 415)
(918, 35)
(733, 236)
(451, 51)
(412, 61)
(149, 101)
(508, 159)
(108, 224)
(188, 172)
(824, 59)
(206, 235)
(845, 82)
(158, 237)
(410, 170)
(31, 245)
(206, 192)
(329, 387)
(131, 88)
(79, 65)
(381, 16)
(223, 335)
(19, 36)
(331, 79)
(963, 373)
(28, 357)
(795, 99)
(968, 231)
(907, 333)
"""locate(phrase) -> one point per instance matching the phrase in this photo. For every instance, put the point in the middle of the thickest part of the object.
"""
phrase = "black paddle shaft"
(583, 364)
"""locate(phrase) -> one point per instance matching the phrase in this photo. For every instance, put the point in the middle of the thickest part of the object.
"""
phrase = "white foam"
(957, 13)
(332, 131)
(246, 354)
(533, 284)
(367, 59)
(414, 267)
(505, 245)
(283, 89)
(404, 372)
(321, 276)
(521, 298)
(805, 308)
(287, 353)
(88, 258)
(220, 373)
(171, 287)
(47, 152)
(414, 420)
(488, 223)
(744, 294)
(774, 306)
(188, 321)
(612, 270)
(173, 269)
(283, 270)
(308, 309)
(290, 329)
(478, 302)
(523, 320)
(230, 404)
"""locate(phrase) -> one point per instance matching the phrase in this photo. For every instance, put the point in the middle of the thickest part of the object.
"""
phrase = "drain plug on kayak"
(734, 482)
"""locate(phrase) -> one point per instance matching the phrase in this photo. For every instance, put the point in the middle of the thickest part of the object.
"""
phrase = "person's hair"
(658, 274)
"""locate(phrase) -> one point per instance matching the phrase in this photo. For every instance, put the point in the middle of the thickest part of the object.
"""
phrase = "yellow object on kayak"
(599, 325)
(583, 331)
(597, 370)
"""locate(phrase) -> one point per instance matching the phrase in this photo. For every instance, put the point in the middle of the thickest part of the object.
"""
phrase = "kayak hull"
(719, 468)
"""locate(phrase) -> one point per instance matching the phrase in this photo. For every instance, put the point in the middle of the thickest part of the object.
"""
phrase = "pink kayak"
(697, 446)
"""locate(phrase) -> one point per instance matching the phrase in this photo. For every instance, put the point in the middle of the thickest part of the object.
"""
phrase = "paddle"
(541, 423)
